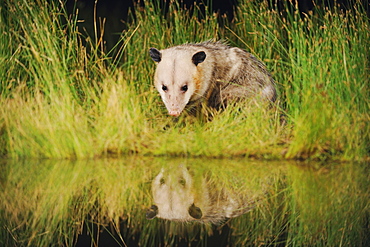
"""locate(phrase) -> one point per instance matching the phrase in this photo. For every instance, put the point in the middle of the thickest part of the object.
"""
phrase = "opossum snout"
(175, 113)
(174, 106)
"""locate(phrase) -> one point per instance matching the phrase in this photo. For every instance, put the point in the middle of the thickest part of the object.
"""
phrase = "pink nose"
(174, 113)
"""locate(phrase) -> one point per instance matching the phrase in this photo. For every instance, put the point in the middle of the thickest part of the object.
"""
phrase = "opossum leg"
(234, 93)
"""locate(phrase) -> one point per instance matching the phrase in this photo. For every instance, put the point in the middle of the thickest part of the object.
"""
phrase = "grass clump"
(330, 70)
(320, 64)
(61, 101)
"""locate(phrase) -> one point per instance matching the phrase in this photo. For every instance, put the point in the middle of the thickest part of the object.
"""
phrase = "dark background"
(113, 14)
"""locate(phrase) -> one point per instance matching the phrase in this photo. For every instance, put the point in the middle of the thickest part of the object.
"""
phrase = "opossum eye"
(182, 182)
(164, 88)
(184, 88)
(161, 181)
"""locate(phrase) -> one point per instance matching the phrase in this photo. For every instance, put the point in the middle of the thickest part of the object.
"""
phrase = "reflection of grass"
(48, 202)
(329, 205)
(323, 207)
(45, 202)
(59, 101)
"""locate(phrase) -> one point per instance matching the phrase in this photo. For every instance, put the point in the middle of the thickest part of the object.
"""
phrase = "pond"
(146, 201)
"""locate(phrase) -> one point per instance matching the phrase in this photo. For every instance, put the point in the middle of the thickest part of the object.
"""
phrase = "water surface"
(137, 201)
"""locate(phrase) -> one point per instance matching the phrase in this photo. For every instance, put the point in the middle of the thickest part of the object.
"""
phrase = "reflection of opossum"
(212, 71)
(178, 197)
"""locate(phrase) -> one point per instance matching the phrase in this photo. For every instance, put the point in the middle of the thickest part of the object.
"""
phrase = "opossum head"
(175, 76)
(174, 196)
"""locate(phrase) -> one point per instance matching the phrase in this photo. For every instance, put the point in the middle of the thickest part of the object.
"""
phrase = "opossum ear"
(152, 212)
(198, 57)
(155, 55)
(195, 212)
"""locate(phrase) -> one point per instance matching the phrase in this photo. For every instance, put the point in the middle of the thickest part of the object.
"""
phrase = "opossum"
(210, 72)
(173, 196)
(178, 197)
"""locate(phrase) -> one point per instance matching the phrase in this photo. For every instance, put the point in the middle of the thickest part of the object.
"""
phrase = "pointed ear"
(198, 57)
(155, 55)
(152, 212)
(195, 212)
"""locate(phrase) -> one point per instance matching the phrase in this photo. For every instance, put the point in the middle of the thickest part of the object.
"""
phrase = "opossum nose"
(174, 113)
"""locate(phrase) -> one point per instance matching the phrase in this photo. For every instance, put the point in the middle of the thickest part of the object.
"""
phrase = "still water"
(141, 201)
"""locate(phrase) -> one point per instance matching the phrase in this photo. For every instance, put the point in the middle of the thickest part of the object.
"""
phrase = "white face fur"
(174, 77)
(173, 195)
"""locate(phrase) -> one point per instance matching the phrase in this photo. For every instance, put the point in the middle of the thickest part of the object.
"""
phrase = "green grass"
(60, 101)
